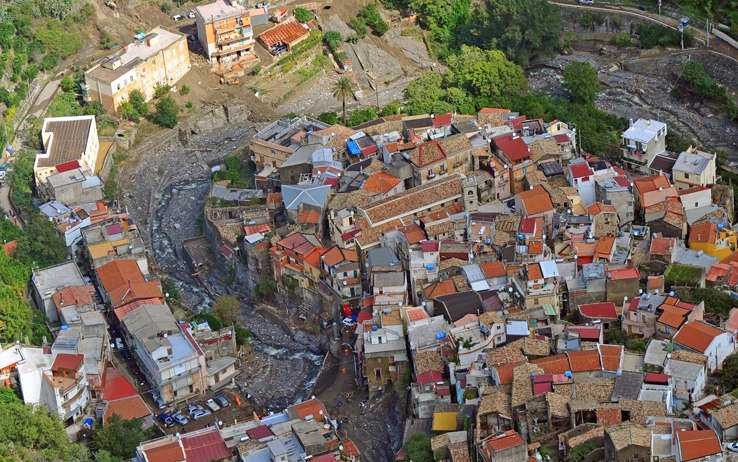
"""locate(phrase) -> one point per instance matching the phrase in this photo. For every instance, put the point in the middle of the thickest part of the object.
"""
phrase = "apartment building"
(642, 141)
(154, 60)
(694, 168)
(276, 143)
(170, 358)
(224, 30)
(515, 157)
(64, 387)
(69, 143)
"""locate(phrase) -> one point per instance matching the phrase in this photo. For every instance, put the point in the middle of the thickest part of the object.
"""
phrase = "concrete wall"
(619, 288)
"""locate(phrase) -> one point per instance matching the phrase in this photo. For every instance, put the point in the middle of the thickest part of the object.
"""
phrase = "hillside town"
(476, 286)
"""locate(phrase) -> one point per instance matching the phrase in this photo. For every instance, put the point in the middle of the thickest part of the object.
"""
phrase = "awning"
(549, 309)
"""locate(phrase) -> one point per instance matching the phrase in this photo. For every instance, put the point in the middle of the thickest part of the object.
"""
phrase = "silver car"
(159, 402)
(179, 418)
(200, 414)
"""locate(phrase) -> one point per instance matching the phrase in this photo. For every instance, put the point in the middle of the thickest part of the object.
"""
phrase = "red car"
(135, 370)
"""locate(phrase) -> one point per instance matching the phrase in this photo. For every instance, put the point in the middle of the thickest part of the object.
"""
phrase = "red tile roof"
(717, 271)
(121, 312)
(443, 119)
(297, 243)
(311, 407)
(416, 314)
(599, 310)
(610, 356)
(125, 294)
(662, 245)
(587, 360)
(429, 377)
(493, 269)
(259, 432)
(118, 273)
(697, 335)
(287, 32)
(514, 148)
(661, 379)
(380, 182)
(704, 233)
(414, 233)
(336, 255)
(673, 316)
(438, 289)
(536, 200)
(585, 332)
(67, 361)
(74, 295)
(132, 407)
(117, 386)
(505, 371)
(427, 153)
(651, 183)
(510, 439)
(556, 364)
(625, 273)
(309, 216)
(698, 444)
(205, 446)
(580, 170)
(598, 208)
(527, 226)
(253, 229)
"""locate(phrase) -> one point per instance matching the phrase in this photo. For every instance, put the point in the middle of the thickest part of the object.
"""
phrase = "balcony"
(241, 33)
(228, 49)
(235, 24)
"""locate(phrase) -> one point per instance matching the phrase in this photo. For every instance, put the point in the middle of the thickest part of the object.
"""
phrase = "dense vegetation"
(716, 301)
(702, 85)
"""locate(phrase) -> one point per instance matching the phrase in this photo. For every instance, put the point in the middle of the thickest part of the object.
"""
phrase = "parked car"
(165, 420)
(222, 401)
(126, 355)
(191, 408)
(191, 14)
(177, 17)
(586, 2)
(135, 370)
(159, 402)
(119, 343)
(212, 405)
(733, 447)
(3, 167)
(348, 321)
(200, 414)
(179, 418)
(2, 175)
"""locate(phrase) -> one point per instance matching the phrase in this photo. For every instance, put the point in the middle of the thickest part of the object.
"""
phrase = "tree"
(582, 82)
(390, 109)
(341, 90)
(226, 308)
(424, 92)
(170, 289)
(267, 286)
(486, 74)
(184, 90)
(333, 39)
(138, 101)
(68, 85)
(8, 396)
(360, 116)
(522, 29)
(119, 437)
(166, 112)
(40, 245)
(95, 108)
(418, 448)
(50, 61)
(330, 118)
(303, 14)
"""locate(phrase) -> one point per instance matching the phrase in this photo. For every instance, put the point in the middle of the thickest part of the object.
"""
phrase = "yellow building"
(158, 59)
(713, 240)
(224, 30)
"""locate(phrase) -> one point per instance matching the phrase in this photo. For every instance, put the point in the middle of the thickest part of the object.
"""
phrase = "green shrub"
(303, 14)
(333, 39)
(330, 118)
(359, 25)
(184, 90)
(162, 91)
(165, 7)
(622, 40)
(353, 38)
(167, 112)
(107, 41)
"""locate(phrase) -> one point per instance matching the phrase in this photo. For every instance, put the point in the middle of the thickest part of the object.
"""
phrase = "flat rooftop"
(134, 53)
(220, 9)
(56, 278)
(287, 133)
(68, 141)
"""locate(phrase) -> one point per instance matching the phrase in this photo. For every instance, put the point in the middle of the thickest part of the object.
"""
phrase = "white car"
(119, 343)
(2, 175)
(733, 447)
(191, 14)
(348, 321)
(586, 2)
(177, 17)
(212, 405)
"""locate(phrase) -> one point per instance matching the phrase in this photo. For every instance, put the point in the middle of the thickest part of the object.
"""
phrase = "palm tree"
(341, 90)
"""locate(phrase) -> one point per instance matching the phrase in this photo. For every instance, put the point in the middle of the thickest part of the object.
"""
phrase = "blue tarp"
(353, 148)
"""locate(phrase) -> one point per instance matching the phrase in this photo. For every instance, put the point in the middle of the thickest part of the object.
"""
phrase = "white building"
(69, 143)
(700, 337)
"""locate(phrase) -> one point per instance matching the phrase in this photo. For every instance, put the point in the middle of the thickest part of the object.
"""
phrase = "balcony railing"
(240, 33)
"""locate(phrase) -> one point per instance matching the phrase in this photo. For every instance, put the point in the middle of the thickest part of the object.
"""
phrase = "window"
(378, 374)
(471, 193)
(535, 301)
(686, 176)
(630, 203)
(696, 204)
(118, 86)
(586, 178)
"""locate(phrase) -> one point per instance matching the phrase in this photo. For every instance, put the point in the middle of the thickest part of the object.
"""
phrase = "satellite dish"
(625, 298)
(340, 448)
(640, 291)
(510, 290)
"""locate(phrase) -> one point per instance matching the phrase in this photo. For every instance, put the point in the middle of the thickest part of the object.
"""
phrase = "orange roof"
(673, 316)
(698, 444)
(121, 312)
(536, 200)
(598, 208)
(651, 183)
(611, 355)
(287, 32)
(10, 247)
(510, 439)
(414, 233)
(438, 289)
(118, 273)
(169, 452)
(494, 269)
(416, 314)
(380, 182)
(128, 293)
(505, 371)
(274, 199)
(534, 272)
(74, 295)
(588, 360)
(129, 408)
(336, 255)
(662, 245)
(427, 153)
(697, 335)
(311, 407)
(309, 216)
(535, 248)
(556, 364)
(704, 233)
(604, 247)
(313, 257)
(491, 110)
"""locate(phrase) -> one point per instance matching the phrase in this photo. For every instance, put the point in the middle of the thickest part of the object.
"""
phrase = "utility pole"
(681, 34)
(659, 6)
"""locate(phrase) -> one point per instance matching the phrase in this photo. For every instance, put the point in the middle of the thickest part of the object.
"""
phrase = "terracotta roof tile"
(505, 372)
(536, 200)
(706, 233)
(455, 143)
(698, 444)
(556, 364)
(286, 32)
(697, 335)
(532, 346)
(673, 316)
(627, 434)
(493, 269)
(380, 182)
(611, 356)
(336, 255)
(584, 360)
(132, 407)
(74, 295)
(427, 153)
(438, 289)
(503, 355)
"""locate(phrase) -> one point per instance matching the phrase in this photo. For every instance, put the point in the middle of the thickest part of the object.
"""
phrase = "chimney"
(630, 122)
